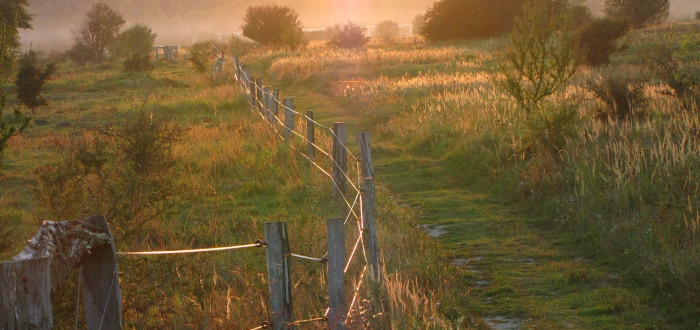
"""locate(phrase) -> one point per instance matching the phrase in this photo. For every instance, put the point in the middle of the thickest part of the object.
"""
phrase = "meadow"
(603, 234)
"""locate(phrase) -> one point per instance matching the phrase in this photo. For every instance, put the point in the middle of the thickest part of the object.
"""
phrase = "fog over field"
(183, 22)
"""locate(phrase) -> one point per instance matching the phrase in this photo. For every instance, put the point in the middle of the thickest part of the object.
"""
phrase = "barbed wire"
(258, 243)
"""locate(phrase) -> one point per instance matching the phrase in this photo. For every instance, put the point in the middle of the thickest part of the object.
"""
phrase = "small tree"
(100, 28)
(31, 79)
(638, 13)
(272, 25)
(136, 40)
(417, 24)
(542, 56)
(387, 30)
(10, 125)
(350, 35)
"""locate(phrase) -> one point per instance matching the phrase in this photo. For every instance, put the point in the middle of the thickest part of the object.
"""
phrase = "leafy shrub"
(123, 172)
(273, 25)
(350, 35)
(669, 65)
(201, 55)
(138, 63)
(138, 40)
(550, 128)
(79, 54)
(598, 39)
(387, 30)
(542, 56)
(638, 13)
(697, 15)
(622, 98)
(10, 125)
(464, 19)
(31, 79)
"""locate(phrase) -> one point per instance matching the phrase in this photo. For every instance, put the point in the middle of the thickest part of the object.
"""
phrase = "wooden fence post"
(99, 278)
(288, 117)
(266, 103)
(337, 306)
(236, 69)
(275, 99)
(340, 157)
(368, 203)
(310, 136)
(259, 94)
(251, 90)
(278, 258)
(25, 294)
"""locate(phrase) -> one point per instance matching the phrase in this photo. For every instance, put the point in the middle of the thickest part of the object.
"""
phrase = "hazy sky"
(185, 21)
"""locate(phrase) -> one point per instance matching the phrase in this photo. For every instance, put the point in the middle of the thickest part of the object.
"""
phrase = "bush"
(136, 41)
(273, 25)
(387, 30)
(10, 125)
(465, 19)
(79, 54)
(201, 55)
(638, 13)
(542, 56)
(598, 40)
(697, 15)
(123, 172)
(31, 79)
(623, 99)
(138, 63)
(350, 35)
(677, 71)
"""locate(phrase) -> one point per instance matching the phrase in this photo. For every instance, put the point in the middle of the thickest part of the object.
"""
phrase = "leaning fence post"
(25, 294)
(337, 307)
(340, 158)
(99, 278)
(288, 117)
(251, 91)
(310, 136)
(368, 203)
(278, 257)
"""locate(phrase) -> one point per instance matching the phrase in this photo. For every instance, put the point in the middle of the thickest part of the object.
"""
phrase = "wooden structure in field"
(169, 53)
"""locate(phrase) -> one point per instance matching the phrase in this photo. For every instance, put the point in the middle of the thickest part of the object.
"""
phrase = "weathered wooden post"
(288, 117)
(280, 285)
(368, 203)
(236, 68)
(267, 113)
(259, 94)
(340, 158)
(275, 104)
(251, 91)
(99, 278)
(25, 294)
(310, 136)
(337, 306)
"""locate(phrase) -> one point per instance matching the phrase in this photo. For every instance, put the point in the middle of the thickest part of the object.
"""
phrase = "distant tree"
(638, 13)
(417, 24)
(273, 25)
(697, 15)
(31, 79)
(464, 19)
(387, 30)
(100, 28)
(136, 40)
(13, 16)
(598, 39)
(350, 35)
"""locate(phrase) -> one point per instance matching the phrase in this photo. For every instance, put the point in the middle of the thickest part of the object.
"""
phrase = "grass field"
(602, 236)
